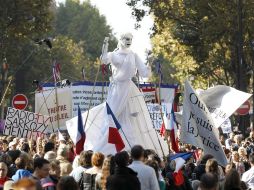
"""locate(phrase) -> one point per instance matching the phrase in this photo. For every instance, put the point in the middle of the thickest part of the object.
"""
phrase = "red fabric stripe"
(178, 178)
(80, 145)
(174, 143)
(114, 137)
(162, 129)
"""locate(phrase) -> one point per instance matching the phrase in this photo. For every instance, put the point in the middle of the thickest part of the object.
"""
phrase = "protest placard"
(226, 126)
(57, 104)
(156, 113)
(149, 94)
(198, 127)
(24, 124)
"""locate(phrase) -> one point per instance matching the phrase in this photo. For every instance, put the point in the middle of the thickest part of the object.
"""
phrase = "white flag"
(198, 127)
(222, 101)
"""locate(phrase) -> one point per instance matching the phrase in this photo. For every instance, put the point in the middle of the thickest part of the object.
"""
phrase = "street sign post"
(19, 101)
(244, 109)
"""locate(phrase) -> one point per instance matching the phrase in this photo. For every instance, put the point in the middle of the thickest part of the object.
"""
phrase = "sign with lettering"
(156, 113)
(149, 94)
(198, 127)
(87, 95)
(57, 104)
(226, 126)
(24, 124)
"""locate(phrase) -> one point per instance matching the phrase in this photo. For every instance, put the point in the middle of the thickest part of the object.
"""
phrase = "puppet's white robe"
(128, 105)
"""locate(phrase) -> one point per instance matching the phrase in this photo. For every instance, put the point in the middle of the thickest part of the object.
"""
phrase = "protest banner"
(149, 94)
(24, 124)
(86, 94)
(222, 101)
(59, 108)
(198, 127)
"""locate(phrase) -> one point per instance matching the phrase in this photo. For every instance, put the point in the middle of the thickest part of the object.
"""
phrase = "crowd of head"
(51, 164)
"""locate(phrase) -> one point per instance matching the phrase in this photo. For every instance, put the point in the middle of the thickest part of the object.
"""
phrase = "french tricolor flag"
(173, 130)
(179, 159)
(114, 136)
(169, 124)
(81, 136)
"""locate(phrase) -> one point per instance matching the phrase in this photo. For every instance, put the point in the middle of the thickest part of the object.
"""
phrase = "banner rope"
(89, 106)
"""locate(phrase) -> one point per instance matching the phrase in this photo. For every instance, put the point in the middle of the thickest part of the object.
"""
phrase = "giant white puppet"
(126, 102)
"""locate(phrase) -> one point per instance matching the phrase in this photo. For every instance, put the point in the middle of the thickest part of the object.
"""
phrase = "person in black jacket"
(200, 168)
(124, 178)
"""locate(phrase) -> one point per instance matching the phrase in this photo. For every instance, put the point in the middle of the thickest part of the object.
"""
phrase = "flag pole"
(163, 123)
(104, 50)
(57, 110)
(90, 102)
(159, 100)
(126, 137)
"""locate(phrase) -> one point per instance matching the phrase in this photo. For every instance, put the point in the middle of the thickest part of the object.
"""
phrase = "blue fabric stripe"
(109, 112)
(80, 123)
(184, 155)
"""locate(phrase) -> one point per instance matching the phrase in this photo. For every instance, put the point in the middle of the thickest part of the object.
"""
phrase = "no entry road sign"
(244, 109)
(19, 101)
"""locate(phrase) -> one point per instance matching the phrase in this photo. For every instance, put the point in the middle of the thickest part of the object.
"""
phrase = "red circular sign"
(19, 101)
(244, 108)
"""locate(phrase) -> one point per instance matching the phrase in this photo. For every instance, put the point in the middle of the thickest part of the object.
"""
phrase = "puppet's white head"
(125, 40)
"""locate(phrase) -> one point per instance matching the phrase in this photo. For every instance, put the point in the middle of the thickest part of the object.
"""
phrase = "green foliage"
(202, 37)
(65, 51)
(78, 31)
(21, 21)
(83, 22)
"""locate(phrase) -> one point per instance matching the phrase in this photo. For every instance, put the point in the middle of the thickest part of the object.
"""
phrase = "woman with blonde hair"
(243, 158)
(213, 167)
(107, 170)
(238, 164)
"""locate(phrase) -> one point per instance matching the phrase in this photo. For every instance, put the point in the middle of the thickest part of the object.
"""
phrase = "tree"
(20, 22)
(208, 32)
(216, 35)
(83, 23)
(66, 52)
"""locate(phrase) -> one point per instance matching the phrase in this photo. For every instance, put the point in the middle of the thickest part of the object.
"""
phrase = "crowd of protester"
(51, 164)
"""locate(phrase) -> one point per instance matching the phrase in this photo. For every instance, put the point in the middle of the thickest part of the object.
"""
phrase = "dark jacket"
(88, 182)
(49, 183)
(199, 171)
(124, 178)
